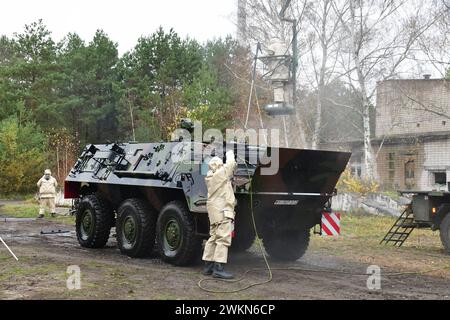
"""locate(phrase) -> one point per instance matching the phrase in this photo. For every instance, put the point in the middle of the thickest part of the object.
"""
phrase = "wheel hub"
(86, 224)
(129, 229)
(173, 234)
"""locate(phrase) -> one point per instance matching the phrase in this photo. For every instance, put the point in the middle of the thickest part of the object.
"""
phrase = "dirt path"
(12, 202)
(40, 273)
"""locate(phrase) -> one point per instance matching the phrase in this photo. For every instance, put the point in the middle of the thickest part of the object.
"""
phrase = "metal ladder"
(401, 229)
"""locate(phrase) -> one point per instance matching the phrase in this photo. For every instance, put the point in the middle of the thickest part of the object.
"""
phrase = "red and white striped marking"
(331, 223)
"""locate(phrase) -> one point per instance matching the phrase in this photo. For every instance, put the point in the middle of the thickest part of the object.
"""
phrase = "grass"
(360, 241)
(30, 210)
(18, 196)
(394, 195)
(362, 231)
(24, 268)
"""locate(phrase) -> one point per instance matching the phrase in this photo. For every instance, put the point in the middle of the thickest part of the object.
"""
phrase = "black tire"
(176, 239)
(136, 228)
(444, 229)
(244, 236)
(289, 245)
(94, 218)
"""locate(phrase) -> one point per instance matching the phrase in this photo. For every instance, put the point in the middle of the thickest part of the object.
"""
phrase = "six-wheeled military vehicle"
(156, 198)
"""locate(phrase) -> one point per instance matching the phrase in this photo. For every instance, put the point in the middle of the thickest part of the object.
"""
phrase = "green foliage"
(205, 90)
(163, 77)
(22, 156)
(153, 76)
(212, 116)
(99, 96)
(78, 92)
(87, 89)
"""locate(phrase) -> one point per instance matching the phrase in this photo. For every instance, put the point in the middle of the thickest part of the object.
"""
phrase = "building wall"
(437, 159)
(416, 143)
(414, 166)
(401, 104)
(400, 166)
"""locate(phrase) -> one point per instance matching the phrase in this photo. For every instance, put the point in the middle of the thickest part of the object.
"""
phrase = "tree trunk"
(369, 159)
(321, 83)
(317, 122)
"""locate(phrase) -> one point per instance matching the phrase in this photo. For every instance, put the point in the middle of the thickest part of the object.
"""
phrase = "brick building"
(412, 135)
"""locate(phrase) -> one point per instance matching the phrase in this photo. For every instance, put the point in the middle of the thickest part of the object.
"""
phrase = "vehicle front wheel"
(94, 218)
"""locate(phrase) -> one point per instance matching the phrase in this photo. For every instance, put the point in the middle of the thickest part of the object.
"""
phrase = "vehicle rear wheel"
(445, 232)
(93, 222)
(288, 245)
(136, 228)
(244, 236)
(177, 242)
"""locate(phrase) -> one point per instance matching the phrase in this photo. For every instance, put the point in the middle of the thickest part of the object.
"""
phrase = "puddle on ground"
(7, 219)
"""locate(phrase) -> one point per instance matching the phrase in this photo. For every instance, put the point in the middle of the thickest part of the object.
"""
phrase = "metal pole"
(252, 85)
(294, 63)
(294, 49)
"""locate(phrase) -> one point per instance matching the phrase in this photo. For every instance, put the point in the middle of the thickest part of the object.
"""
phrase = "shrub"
(354, 184)
(22, 156)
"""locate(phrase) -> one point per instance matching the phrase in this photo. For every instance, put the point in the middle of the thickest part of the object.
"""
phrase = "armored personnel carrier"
(156, 199)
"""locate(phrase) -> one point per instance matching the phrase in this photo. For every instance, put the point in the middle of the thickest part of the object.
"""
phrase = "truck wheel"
(242, 241)
(245, 236)
(93, 222)
(289, 245)
(135, 228)
(445, 232)
(177, 242)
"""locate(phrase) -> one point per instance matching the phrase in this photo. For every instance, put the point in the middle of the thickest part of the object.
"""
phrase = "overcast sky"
(124, 21)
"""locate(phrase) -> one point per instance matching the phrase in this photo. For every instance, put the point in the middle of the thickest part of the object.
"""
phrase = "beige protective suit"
(47, 192)
(220, 205)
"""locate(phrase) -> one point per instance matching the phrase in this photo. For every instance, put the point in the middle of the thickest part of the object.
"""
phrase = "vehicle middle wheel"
(136, 228)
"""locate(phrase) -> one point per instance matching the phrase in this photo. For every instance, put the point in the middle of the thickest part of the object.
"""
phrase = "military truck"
(427, 210)
(158, 205)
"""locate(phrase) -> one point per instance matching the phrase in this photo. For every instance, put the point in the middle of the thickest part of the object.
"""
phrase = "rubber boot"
(209, 268)
(219, 272)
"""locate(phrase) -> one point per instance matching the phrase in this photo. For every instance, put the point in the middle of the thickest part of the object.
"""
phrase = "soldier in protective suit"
(47, 193)
(220, 205)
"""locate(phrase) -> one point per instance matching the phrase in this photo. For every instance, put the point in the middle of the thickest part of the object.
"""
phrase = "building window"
(440, 177)
(409, 175)
(444, 123)
(391, 167)
(418, 125)
(391, 176)
(409, 170)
